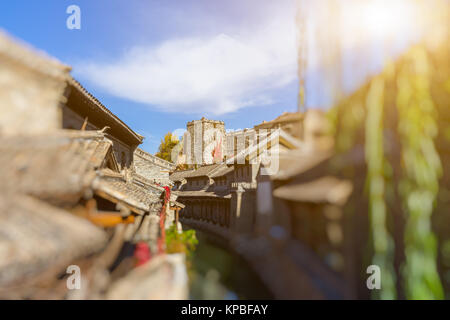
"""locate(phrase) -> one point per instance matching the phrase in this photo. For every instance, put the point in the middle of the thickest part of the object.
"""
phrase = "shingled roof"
(117, 189)
(147, 184)
(35, 235)
(58, 166)
(202, 193)
(326, 189)
(83, 102)
(301, 174)
(204, 171)
(180, 175)
(266, 143)
(284, 117)
(154, 159)
(222, 170)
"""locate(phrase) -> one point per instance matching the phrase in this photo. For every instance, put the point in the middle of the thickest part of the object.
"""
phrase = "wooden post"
(83, 127)
(177, 209)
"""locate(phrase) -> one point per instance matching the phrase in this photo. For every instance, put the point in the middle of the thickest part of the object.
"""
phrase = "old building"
(83, 111)
(290, 122)
(204, 141)
(206, 194)
(222, 196)
(239, 140)
(152, 167)
(265, 204)
(35, 86)
(71, 193)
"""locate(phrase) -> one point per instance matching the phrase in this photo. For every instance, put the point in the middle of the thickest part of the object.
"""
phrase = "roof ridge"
(97, 102)
(145, 153)
(219, 166)
(137, 176)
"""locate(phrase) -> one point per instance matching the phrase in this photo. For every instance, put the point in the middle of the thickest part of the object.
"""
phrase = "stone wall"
(152, 167)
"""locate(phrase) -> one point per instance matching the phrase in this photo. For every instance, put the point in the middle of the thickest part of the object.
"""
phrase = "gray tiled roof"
(154, 159)
(118, 189)
(58, 166)
(221, 171)
(203, 171)
(35, 236)
(180, 175)
(326, 189)
(202, 193)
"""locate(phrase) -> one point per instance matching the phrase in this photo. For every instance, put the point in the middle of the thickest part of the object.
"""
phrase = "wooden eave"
(134, 208)
(86, 105)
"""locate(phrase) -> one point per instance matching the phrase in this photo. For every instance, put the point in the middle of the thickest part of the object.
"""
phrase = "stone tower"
(204, 141)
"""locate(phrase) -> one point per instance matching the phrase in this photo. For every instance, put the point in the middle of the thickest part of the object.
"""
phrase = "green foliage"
(405, 108)
(422, 169)
(184, 242)
(383, 244)
(348, 119)
(165, 148)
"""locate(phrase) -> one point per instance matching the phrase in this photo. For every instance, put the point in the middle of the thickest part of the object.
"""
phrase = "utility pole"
(302, 54)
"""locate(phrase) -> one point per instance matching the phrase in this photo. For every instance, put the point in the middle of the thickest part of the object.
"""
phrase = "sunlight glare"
(380, 19)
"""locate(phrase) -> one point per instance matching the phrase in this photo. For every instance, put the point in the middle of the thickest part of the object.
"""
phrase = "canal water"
(217, 273)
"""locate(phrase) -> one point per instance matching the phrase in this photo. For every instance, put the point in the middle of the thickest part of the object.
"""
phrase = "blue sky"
(111, 29)
(159, 64)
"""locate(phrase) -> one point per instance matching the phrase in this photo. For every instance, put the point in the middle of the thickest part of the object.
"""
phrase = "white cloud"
(209, 75)
(179, 132)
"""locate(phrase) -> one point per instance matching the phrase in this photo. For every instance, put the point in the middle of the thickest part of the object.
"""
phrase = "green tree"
(167, 144)
(404, 108)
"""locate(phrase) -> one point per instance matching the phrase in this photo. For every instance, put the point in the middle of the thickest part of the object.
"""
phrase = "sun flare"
(380, 19)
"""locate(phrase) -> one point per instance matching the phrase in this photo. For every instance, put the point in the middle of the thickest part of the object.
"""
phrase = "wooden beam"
(104, 219)
(106, 196)
(83, 127)
(109, 219)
